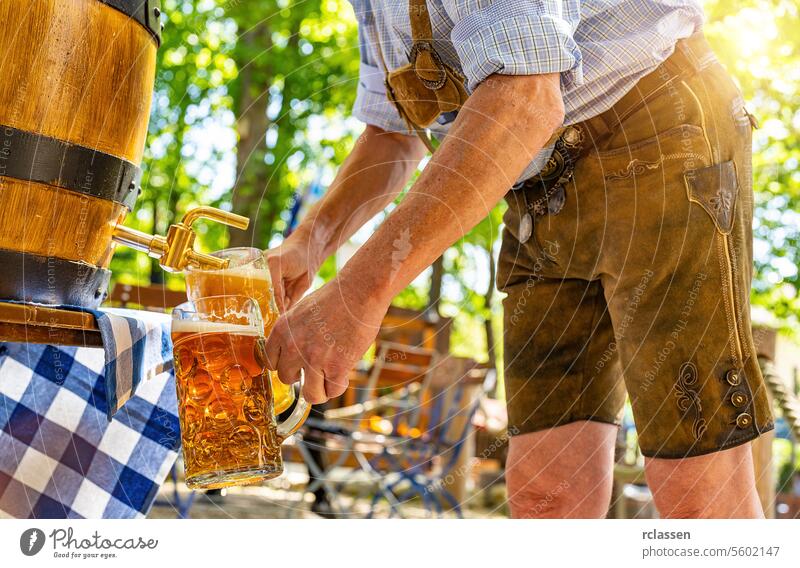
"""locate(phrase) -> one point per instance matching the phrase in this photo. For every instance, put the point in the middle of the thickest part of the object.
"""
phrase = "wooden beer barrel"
(76, 81)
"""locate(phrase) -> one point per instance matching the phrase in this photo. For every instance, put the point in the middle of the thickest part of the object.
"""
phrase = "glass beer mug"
(246, 275)
(225, 398)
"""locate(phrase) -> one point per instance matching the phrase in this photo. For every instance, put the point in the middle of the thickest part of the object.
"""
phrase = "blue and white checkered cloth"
(137, 346)
(61, 456)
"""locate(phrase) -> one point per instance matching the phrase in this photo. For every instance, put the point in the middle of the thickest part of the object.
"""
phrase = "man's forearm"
(371, 177)
(504, 124)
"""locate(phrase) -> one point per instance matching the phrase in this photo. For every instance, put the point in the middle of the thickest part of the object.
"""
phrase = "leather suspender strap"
(422, 32)
(421, 29)
(34, 157)
(422, 38)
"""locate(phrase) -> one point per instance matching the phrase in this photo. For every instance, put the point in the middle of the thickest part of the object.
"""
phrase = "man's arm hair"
(503, 125)
(371, 177)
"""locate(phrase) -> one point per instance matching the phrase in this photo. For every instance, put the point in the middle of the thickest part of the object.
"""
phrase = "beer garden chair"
(409, 440)
(345, 435)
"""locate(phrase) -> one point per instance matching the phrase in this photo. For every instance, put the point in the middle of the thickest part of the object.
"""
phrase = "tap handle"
(176, 251)
(214, 214)
(192, 257)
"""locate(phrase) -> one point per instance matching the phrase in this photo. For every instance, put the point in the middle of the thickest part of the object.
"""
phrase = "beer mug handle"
(298, 415)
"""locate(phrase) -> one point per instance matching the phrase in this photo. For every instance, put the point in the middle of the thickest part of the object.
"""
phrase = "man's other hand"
(325, 334)
(292, 266)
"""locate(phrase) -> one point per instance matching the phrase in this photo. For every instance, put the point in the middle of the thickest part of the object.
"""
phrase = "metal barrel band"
(51, 280)
(146, 12)
(34, 157)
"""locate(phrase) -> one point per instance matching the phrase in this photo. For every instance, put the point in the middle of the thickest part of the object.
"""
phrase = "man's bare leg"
(562, 472)
(720, 485)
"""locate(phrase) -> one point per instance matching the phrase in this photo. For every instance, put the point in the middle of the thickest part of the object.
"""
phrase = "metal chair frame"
(413, 465)
(351, 438)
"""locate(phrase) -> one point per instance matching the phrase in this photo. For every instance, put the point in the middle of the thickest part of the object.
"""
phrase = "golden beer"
(225, 398)
(247, 275)
(225, 405)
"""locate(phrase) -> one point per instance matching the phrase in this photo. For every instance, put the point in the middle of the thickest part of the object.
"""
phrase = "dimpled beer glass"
(246, 275)
(228, 426)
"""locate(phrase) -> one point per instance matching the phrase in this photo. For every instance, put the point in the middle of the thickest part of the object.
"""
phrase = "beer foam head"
(189, 326)
(245, 272)
(241, 264)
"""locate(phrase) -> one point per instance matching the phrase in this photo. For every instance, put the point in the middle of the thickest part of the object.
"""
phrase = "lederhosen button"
(733, 377)
(739, 399)
(744, 420)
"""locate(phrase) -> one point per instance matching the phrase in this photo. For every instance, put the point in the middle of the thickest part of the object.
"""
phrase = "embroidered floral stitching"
(721, 202)
(689, 399)
(637, 167)
(729, 315)
(743, 343)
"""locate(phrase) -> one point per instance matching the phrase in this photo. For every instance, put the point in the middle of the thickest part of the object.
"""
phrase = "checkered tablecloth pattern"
(60, 454)
(137, 346)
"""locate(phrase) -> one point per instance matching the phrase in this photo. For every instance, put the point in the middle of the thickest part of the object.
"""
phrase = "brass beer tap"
(176, 251)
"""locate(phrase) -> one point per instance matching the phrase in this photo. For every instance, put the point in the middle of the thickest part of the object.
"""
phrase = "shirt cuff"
(372, 105)
(488, 41)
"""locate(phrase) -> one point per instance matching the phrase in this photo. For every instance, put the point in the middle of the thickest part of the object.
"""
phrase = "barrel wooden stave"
(81, 72)
(85, 223)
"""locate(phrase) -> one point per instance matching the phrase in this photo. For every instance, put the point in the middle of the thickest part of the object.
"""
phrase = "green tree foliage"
(249, 105)
(757, 40)
(298, 63)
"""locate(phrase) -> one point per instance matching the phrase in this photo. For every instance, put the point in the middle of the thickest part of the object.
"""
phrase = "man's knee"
(561, 472)
(537, 505)
(535, 499)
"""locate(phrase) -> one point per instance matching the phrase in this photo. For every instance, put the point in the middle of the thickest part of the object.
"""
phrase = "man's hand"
(292, 266)
(325, 334)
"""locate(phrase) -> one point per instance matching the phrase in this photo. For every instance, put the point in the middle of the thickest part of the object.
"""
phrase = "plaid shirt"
(600, 47)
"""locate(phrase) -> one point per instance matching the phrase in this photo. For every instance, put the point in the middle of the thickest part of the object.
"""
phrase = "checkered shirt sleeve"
(372, 106)
(511, 37)
(516, 37)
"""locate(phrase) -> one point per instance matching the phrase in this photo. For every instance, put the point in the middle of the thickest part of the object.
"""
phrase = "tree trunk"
(251, 125)
(435, 294)
(487, 322)
(156, 273)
